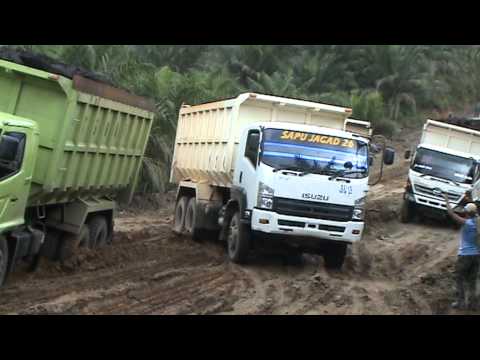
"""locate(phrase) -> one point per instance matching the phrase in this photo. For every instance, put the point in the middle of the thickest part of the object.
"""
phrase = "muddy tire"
(295, 258)
(3, 260)
(179, 217)
(334, 256)
(191, 220)
(70, 245)
(98, 231)
(238, 240)
(407, 212)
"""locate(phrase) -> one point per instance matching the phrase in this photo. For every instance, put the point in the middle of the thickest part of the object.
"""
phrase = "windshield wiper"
(291, 168)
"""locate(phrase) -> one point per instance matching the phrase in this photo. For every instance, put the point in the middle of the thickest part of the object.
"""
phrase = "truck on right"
(445, 161)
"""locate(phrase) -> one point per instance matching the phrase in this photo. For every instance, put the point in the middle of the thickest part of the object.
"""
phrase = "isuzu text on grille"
(315, 197)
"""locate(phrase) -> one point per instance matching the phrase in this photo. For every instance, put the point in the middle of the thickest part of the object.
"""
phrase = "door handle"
(240, 178)
(13, 199)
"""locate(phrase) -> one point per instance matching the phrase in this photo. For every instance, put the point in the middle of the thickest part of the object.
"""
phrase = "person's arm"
(452, 214)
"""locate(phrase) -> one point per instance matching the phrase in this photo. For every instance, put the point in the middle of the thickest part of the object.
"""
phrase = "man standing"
(468, 256)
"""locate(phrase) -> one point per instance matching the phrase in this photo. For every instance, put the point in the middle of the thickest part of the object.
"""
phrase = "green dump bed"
(92, 135)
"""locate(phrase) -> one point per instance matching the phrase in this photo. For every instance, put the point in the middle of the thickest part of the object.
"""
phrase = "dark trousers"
(467, 271)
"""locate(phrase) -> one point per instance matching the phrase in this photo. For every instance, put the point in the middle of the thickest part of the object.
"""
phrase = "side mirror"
(389, 156)
(370, 160)
(408, 153)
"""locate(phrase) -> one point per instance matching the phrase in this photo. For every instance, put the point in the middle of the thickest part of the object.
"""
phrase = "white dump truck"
(272, 172)
(446, 160)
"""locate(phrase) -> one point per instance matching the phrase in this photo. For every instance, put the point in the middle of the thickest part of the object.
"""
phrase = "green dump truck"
(69, 148)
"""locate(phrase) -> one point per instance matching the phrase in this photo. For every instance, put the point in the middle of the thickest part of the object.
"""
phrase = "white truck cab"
(305, 181)
(445, 161)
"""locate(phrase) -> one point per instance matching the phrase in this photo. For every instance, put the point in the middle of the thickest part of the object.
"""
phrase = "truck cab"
(304, 180)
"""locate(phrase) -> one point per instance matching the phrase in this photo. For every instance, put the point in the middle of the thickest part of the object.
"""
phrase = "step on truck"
(69, 148)
(270, 172)
(445, 161)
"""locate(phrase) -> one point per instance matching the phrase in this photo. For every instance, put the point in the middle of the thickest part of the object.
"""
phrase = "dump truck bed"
(462, 140)
(92, 135)
(208, 134)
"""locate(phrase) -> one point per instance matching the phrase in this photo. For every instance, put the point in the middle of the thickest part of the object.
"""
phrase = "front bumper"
(270, 222)
(435, 207)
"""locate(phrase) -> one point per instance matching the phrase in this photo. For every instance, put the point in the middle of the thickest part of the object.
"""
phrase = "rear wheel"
(180, 211)
(238, 240)
(71, 243)
(334, 256)
(3, 259)
(98, 231)
(191, 220)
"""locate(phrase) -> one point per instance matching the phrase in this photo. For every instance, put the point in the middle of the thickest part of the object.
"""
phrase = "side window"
(12, 147)
(251, 148)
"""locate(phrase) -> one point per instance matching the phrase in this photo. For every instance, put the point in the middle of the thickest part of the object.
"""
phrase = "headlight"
(358, 214)
(265, 196)
(359, 209)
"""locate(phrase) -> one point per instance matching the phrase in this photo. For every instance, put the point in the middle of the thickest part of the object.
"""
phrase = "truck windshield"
(444, 166)
(314, 153)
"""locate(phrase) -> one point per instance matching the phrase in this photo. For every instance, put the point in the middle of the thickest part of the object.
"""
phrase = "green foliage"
(384, 84)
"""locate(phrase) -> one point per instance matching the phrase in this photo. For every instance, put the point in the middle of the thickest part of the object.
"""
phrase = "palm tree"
(398, 73)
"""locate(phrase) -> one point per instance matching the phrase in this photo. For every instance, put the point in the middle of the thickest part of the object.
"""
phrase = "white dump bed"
(439, 135)
(208, 134)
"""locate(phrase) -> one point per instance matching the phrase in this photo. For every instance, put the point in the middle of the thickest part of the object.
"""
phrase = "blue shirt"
(468, 240)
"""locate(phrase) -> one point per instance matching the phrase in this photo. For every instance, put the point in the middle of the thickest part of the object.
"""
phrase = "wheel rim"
(232, 237)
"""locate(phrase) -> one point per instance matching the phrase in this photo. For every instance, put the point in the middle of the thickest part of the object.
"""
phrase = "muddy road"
(395, 269)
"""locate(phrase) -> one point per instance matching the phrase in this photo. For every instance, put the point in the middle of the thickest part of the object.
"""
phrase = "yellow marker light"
(264, 221)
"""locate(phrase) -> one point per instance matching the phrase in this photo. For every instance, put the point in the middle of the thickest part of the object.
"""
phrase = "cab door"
(17, 160)
(245, 175)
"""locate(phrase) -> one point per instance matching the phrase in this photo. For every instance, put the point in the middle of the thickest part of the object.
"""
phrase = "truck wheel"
(407, 212)
(98, 231)
(3, 259)
(334, 256)
(295, 258)
(238, 240)
(191, 219)
(180, 211)
(70, 245)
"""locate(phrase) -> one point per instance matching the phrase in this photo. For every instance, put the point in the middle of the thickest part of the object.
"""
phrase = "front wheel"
(334, 256)
(407, 212)
(238, 240)
(3, 259)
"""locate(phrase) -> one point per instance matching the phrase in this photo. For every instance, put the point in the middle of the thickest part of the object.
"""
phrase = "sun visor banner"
(301, 137)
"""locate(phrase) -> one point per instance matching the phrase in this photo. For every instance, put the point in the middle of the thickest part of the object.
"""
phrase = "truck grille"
(429, 192)
(313, 210)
